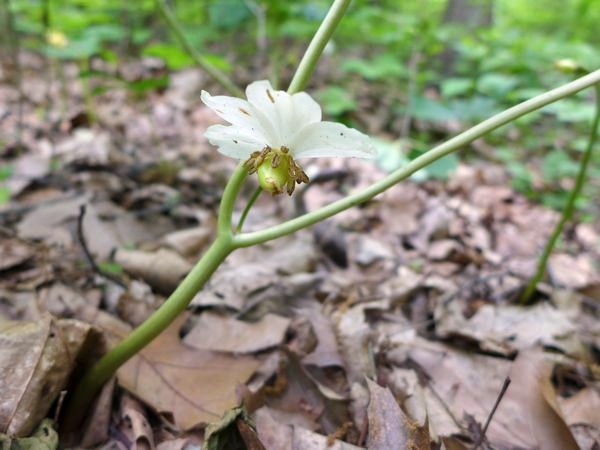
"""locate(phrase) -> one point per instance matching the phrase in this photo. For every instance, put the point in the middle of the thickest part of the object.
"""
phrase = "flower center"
(277, 171)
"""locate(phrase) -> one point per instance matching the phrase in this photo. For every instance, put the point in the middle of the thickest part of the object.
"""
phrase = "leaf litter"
(392, 327)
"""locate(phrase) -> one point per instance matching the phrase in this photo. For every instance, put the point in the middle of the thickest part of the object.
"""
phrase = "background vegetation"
(410, 72)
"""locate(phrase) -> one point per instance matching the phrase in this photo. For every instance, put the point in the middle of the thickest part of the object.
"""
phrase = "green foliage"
(397, 49)
(336, 100)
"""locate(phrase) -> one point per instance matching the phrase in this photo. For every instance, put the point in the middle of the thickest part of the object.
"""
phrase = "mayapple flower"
(272, 129)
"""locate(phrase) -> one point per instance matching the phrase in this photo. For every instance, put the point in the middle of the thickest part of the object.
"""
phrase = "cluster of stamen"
(277, 158)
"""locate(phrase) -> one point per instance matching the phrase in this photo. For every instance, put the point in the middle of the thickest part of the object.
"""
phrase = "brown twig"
(88, 255)
(492, 412)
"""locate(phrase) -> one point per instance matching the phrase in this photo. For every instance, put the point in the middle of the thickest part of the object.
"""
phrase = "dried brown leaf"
(389, 427)
(227, 334)
(529, 415)
(163, 269)
(13, 253)
(194, 386)
(36, 359)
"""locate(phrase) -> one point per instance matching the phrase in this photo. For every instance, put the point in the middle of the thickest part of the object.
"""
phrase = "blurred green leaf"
(335, 100)
(228, 14)
(171, 54)
(384, 66)
(557, 164)
(424, 108)
(454, 87)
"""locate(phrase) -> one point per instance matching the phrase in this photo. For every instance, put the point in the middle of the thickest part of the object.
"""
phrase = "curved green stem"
(485, 127)
(228, 199)
(101, 372)
(215, 73)
(569, 208)
(251, 202)
(317, 45)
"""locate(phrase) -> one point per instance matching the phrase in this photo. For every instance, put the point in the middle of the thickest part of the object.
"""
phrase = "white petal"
(306, 110)
(233, 141)
(261, 96)
(331, 139)
(235, 111)
(285, 114)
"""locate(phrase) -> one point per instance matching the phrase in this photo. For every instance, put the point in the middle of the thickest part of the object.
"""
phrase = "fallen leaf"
(221, 333)
(13, 253)
(188, 242)
(575, 272)
(194, 386)
(389, 427)
(135, 425)
(163, 269)
(529, 415)
(505, 329)
(280, 436)
(582, 407)
(36, 359)
(95, 430)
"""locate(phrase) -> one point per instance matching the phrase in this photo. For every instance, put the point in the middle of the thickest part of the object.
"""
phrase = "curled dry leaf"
(226, 334)
(505, 329)
(36, 359)
(135, 425)
(389, 427)
(13, 253)
(188, 242)
(279, 436)
(163, 269)
(193, 386)
(581, 414)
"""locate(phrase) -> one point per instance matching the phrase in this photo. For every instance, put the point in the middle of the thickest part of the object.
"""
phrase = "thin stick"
(492, 412)
(569, 208)
(251, 202)
(88, 255)
(215, 73)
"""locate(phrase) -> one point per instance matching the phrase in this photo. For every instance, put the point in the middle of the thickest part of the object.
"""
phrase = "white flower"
(272, 128)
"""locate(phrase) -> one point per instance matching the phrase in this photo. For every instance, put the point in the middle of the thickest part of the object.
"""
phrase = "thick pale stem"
(166, 314)
(454, 144)
(317, 45)
(569, 208)
(147, 331)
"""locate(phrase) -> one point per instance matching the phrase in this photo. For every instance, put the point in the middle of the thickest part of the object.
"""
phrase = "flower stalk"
(227, 241)
(569, 207)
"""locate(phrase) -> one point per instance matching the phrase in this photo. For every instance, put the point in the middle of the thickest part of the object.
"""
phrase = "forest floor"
(393, 325)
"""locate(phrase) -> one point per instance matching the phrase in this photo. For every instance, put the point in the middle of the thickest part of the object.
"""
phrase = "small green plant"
(262, 138)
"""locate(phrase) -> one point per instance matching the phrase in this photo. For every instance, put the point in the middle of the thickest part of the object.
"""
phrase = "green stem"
(93, 380)
(251, 202)
(569, 208)
(485, 127)
(228, 199)
(101, 372)
(215, 73)
(317, 45)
